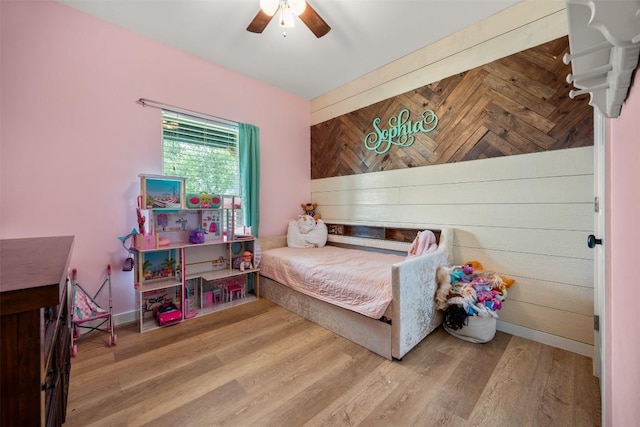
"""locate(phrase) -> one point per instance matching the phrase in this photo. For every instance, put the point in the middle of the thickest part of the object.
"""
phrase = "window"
(205, 151)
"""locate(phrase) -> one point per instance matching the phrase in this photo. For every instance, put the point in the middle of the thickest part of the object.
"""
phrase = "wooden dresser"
(35, 336)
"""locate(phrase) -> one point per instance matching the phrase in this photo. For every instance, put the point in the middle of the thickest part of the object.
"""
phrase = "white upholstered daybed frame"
(414, 315)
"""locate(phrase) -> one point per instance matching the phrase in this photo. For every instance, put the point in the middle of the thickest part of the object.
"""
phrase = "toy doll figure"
(246, 261)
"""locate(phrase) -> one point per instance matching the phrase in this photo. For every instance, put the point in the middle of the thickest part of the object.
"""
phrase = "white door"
(598, 242)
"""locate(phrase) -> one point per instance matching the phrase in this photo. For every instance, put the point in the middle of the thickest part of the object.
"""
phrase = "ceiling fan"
(287, 10)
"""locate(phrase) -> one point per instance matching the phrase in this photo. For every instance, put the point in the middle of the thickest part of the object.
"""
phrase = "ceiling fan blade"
(259, 23)
(316, 24)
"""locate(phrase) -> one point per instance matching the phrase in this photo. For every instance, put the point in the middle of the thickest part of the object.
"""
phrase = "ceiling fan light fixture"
(270, 7)
(286, 17)
(297, 6)
(288, 9)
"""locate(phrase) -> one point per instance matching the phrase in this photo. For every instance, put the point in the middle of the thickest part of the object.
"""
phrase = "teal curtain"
(249, 141)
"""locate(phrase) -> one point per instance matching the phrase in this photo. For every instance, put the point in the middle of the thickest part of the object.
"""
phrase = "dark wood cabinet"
(35, 334)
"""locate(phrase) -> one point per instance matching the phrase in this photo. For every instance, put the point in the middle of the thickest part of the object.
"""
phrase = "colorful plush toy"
(484, 296)
(310, 209)
(489, 300)
(469, 290)
(443, 279)
(477, 267)
(507, 281)
(457, 275)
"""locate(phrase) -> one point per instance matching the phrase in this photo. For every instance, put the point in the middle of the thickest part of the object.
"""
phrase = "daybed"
(392, 331)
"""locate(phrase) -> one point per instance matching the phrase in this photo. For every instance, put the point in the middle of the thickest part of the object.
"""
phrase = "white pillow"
(294, 236)
(315, 238)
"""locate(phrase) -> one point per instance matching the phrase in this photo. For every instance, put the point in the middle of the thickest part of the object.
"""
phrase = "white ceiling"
(365, 34)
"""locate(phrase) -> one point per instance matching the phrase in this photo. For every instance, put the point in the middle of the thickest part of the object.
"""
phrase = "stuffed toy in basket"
(471, 299)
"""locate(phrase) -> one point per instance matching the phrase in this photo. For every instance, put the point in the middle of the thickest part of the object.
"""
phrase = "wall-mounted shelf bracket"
(604, 40)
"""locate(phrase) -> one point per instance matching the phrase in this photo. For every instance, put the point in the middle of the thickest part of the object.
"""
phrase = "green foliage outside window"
(203, 151)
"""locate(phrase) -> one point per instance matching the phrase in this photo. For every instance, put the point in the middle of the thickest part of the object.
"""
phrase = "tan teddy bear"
(310, 209)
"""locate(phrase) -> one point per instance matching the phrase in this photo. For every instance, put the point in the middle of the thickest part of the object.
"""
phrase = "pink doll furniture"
(235, 290)
(218, 294)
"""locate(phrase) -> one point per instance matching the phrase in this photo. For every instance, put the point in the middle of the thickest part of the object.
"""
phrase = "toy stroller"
(86, 309)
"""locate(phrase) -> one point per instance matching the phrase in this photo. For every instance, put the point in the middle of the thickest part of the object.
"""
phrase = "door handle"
(592, 241)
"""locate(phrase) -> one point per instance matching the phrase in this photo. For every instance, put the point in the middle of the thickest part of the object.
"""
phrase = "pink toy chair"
(236, 290)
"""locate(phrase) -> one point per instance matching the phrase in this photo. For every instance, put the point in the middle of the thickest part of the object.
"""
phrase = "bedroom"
(67, 81)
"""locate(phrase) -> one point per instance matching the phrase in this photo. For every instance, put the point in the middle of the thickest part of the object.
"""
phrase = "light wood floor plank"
(353, 405)
(509, 391)
(586, 404)
(261, 365)
(419, 381)
(176, 395)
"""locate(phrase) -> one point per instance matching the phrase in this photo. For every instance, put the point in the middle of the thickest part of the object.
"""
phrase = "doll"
(246, 261)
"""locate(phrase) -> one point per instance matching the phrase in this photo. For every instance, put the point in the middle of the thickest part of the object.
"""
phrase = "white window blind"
(202, 150)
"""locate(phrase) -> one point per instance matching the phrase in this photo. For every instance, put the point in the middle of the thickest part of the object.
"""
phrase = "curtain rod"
(155, 104)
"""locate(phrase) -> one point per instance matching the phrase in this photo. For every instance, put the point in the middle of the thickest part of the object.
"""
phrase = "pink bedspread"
(353, 279)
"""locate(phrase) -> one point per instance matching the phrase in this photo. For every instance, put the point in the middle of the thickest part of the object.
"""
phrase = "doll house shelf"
(186, 250)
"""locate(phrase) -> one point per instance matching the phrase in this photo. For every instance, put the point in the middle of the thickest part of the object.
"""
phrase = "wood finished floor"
(261, 365)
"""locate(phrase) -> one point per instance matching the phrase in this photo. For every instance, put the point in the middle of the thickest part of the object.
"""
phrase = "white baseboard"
(545, 338)
(520, 331)
(124, 318)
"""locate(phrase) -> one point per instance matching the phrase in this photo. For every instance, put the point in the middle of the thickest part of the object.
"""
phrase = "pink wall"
(622, 368)
(73, 142)
(73, 139)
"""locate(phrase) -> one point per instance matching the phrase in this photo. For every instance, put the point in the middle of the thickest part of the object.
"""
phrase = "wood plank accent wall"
(526, 216)
(515, 105)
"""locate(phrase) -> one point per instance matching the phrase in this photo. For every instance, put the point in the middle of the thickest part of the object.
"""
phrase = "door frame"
(599, 258)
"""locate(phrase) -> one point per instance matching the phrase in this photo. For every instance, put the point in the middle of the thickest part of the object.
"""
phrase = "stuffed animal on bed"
(306, 223)
(310, 209)
(306, 232)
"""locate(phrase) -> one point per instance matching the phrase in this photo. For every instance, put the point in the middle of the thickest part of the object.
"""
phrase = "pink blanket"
(353, 279)
(424, 243)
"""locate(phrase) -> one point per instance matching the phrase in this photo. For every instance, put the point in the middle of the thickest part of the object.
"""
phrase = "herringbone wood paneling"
(516, 105)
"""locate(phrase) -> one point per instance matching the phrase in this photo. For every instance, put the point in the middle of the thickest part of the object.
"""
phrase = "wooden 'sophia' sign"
(400, 131)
